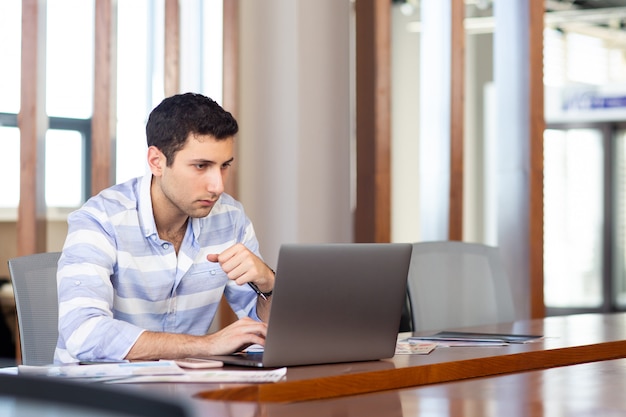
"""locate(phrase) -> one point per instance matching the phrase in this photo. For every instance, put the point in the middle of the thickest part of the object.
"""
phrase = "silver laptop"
(339, 302)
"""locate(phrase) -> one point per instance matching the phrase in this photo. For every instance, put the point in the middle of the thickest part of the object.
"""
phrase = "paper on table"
(218, 376)
(451, 338)
(410, 347)
(459, 343)
(105, 370)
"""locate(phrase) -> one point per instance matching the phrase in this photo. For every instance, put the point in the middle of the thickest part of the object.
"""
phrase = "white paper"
(105, 370)
(216, 376)
(406, 347)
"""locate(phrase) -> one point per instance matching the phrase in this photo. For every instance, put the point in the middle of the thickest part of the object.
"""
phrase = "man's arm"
(154, 345)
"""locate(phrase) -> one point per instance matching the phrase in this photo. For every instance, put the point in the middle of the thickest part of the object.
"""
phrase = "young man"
(146, 262)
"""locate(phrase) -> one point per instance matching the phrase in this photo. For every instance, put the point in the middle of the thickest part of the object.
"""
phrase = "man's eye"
(226, 165)
(200, 166)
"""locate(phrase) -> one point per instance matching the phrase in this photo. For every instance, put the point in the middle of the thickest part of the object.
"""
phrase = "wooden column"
(457, 104)
(537, 126)
(33, 123)
(103, 122)
(372, 220)
(172, 48)
(231, 103)
(231, 77)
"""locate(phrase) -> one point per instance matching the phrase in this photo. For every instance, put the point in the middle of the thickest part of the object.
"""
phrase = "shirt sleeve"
(87, 329)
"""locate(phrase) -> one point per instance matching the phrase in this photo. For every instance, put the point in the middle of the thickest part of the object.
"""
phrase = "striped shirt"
(116, 278)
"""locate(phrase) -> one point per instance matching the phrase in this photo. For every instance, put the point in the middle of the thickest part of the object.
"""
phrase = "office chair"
(458, 284)
(36, 302)
(31, 395)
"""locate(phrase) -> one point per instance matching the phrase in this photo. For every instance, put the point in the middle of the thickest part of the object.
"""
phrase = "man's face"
(195, 180)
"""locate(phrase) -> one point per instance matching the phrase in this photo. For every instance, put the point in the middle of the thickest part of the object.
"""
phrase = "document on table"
(452, 338)
(151, 371)
(104, 371)
(215, 376)
(414, 347)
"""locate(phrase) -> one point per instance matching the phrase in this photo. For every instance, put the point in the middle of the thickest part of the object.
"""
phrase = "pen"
(257, 290)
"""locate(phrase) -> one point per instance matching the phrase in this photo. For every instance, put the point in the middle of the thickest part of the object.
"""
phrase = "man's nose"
(215, 182)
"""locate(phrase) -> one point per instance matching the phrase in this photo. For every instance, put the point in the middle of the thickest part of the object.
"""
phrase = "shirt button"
(76, 282)
(166, 245)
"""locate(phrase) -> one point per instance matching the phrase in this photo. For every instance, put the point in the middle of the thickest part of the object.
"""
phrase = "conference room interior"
(430, 165)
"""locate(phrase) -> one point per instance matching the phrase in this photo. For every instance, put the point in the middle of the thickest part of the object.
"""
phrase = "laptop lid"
(339, 302)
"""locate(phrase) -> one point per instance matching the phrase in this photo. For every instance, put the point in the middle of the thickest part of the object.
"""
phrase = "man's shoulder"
(227, 204)
(114, 200)
(227, 199)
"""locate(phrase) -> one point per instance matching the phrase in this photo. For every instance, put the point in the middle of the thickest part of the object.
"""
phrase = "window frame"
(82, 126)
(608, 130)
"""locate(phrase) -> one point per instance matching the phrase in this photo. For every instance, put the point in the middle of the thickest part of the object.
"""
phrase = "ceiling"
(605, 19)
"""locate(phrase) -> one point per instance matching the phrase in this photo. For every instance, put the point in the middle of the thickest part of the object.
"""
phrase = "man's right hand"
(238, 335)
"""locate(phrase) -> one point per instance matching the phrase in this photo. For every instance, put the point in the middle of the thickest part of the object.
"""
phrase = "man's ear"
(156, 161)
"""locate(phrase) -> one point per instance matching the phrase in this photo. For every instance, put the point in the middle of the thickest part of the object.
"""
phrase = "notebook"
(339, 302)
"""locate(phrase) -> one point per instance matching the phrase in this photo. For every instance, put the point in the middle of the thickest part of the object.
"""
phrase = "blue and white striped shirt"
(117, 278)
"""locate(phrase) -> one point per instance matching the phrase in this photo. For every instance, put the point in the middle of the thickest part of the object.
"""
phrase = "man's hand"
(240, 334)
(242, 266)
(237, 336)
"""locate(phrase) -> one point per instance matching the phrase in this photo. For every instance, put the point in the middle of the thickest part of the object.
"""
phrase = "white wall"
(295, 123)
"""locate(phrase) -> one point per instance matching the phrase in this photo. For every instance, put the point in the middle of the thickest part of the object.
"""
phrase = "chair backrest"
(29, 395)
(458, 284)
(36, 301)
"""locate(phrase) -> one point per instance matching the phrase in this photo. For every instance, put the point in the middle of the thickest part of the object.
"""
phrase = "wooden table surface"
(568, 340)
(585, 390)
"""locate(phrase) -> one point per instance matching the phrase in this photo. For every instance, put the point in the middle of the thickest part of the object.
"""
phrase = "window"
(573, 217)
(10, 167)
(69, 84)
(584, 159)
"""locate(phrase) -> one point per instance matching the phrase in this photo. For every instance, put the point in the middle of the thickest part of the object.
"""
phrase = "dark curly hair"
(178, 116)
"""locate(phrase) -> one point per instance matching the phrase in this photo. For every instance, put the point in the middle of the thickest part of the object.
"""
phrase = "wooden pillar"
(33, 124)
(172, 48)
(372, 219)
(103, 122)
(537, 126)
(231, 77)
(231, 103)
(457, 104)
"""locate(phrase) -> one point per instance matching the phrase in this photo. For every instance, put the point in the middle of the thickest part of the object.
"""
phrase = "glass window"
(69, 84)
(140, 69)
(134, 86)
(69, 58)
(573, 217)
(10, 167)
(64, 168)
(10, 51)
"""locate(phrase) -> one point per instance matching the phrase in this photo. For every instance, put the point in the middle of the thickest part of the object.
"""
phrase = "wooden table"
(584, 390)
(569, 340)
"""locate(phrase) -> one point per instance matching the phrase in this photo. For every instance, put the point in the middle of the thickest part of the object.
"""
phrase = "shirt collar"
(144, 206)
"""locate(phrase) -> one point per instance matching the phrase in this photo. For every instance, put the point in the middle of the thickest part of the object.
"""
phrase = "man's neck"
(175, 234)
